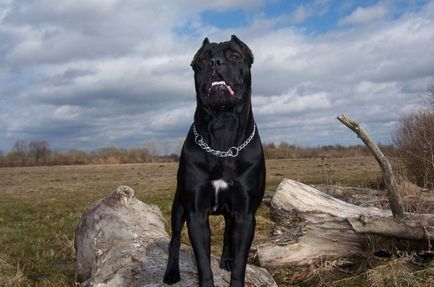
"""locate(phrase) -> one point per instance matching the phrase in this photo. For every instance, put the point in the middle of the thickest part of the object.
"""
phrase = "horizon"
(85, 75)
(174, 148)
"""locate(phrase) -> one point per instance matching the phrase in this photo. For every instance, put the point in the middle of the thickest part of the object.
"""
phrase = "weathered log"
(121, 241)
(389, 179)
(416, 199)
(312, 226)
(415, 227)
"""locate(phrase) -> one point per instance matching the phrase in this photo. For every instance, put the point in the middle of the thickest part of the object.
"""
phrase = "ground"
(40, 207)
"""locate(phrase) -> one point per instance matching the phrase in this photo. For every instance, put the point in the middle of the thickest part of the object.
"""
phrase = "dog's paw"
(171, 277)
(226, 263)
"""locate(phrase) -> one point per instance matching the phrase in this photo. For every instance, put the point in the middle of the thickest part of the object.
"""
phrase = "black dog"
(222, 168)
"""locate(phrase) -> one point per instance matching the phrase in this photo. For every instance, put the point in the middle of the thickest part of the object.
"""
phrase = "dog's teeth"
(230, 90)
(218, 83)
(222, 83)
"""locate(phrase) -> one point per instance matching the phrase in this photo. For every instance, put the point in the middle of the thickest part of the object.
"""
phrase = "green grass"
(40, 207)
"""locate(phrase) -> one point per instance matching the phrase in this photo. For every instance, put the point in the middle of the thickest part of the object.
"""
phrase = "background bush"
(414, 140)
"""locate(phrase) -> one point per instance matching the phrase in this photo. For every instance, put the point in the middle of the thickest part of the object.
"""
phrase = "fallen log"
(312, 227)
(415, 227)
(416, 199)
(121, 241)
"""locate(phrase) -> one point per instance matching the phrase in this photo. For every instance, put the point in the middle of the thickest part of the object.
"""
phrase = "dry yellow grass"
(40, 206)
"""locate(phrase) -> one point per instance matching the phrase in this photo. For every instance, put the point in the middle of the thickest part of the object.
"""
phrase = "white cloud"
(172, 117)
(120, 74)
(365, 15)
(300, 14)
(66, 112)
(290, 103)
(4, 8)
(223, 4)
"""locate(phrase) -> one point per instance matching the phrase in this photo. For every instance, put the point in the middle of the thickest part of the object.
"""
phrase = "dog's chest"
(219, 185)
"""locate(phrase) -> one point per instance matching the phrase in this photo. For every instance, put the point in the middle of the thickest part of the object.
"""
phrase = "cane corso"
(221, 169)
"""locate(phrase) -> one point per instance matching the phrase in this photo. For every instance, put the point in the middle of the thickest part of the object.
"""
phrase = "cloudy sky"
(91, 73)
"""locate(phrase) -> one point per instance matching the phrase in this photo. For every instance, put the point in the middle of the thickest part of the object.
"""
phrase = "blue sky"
(87, 74)
(325, 18)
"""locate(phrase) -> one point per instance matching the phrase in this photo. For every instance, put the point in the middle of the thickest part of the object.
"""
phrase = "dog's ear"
(204, 43)
(244, 47)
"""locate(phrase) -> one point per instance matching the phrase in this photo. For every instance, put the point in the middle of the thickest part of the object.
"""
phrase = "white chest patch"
(218, 185)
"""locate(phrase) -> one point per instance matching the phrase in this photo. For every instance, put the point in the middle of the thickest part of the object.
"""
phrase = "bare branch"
(390, 181)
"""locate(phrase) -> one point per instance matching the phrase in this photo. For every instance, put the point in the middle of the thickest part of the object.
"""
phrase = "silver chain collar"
(231, 152)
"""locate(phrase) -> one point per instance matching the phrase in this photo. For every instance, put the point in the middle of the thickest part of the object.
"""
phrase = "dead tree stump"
(121, 241)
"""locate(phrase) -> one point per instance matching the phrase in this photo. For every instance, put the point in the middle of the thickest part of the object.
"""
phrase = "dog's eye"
(235, 56)
(203, 61)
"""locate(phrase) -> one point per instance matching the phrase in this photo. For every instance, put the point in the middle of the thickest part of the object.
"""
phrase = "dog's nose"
(216, 61)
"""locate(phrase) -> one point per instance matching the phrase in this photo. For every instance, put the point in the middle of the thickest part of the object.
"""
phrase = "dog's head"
(222, 73)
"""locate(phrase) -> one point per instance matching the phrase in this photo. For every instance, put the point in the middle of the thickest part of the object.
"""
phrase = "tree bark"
(415, 227)
(390, 181)
(121, 241)
(312, 227)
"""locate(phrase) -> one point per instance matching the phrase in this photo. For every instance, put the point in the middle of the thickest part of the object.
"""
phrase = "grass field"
(40, 207)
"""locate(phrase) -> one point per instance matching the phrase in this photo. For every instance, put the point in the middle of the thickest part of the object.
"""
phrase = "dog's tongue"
(226, 85)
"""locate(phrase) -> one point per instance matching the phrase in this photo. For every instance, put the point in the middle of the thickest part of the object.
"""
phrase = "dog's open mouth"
(222, 83)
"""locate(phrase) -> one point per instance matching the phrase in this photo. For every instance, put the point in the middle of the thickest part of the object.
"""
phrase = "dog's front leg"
(226, 258)
(171, 276)
(199, 233)
(243, 230)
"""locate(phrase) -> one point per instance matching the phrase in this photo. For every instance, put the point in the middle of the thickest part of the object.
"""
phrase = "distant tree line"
(35, 153)
(413, 147)
(288, 151)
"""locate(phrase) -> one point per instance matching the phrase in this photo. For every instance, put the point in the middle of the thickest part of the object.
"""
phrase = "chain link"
(231, 152)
